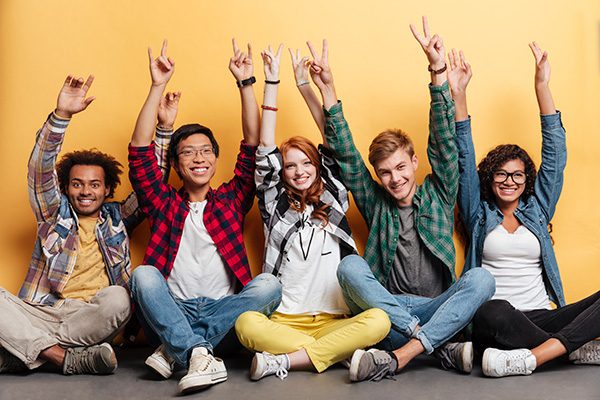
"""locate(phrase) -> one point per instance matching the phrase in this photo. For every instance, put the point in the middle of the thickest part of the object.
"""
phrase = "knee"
(266, 287)
(247, 325)
(481, 281)
(378, 322)
(492, 314)
(351, 267)
(144, 279)
(113, 304)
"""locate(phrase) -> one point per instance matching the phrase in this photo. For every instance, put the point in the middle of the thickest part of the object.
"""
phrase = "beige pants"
(26, 329)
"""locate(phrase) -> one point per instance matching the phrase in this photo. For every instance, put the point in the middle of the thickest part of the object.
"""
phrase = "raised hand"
(161, 68)
(271, 62)
(301, 66)
(71, 98)
(433, 46)
(240, 64)
(542, 65)
(319, 66)
(459, 72)
(167, 110)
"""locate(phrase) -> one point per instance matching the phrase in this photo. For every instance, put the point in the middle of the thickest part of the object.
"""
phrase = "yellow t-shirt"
(89, 273)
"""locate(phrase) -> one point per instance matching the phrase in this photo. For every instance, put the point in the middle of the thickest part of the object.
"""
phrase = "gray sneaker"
(589, 353)
(372, 365)
(160, 362)
(98, 359)
(10, 363)
(458, 356)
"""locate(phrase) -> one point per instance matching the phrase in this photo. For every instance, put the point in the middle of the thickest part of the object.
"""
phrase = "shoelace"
(275, 365)
(382, 361)
(516, 363)
(82, 360)
(591, 354)
(201, 363)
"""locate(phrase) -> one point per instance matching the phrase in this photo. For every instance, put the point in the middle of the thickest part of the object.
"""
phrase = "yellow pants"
(326, 338)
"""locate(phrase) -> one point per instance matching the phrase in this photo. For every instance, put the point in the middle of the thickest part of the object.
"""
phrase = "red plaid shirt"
(168, 208)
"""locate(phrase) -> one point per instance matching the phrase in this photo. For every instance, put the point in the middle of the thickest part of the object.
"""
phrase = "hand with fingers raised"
(542, 65)
(271, 63)
(240, 64)
(161, 68)
(167, 110)
(459, 72)
(72, 97)
(301, 66)
(319, 66)
(433, 46)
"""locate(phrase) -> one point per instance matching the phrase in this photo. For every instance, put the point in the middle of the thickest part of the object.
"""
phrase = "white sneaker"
(205, 370)
(498, 363)
(264, 364)
(160, 362)
(589, 353)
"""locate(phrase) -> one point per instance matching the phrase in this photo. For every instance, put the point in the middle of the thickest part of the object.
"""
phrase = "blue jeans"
(182, 325)
(439, 318)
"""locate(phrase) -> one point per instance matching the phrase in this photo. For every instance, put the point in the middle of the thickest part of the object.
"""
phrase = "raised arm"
(441, 146)
(161, 70)
(44, 190)
(549, 180)
(301, 66)
(542, 80)
(433, 46)
(242, 69)
(271, 63)
(469, 195)
(459, 75)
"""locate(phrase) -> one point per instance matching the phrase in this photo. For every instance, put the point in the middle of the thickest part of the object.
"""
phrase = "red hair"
(312, 195)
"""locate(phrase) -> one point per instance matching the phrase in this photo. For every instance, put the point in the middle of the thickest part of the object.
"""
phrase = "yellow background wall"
(380, 73)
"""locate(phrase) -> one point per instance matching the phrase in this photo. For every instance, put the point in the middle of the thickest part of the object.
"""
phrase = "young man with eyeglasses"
(187, 292)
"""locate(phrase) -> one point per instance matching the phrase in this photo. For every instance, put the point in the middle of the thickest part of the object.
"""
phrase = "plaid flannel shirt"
(55, 252)
(434, 199)
(281, 222)
(168, 208)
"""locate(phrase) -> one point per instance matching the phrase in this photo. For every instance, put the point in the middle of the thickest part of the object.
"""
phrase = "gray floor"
(421, 380)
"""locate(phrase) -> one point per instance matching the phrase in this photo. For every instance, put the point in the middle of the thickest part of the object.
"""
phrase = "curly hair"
(112, 168)
(312, 195)
(495, 159)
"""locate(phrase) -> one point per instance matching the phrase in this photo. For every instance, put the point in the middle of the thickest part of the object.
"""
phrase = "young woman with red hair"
(303, 205)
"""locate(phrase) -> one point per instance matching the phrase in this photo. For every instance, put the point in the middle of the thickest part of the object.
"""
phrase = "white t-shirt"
(309, 274)
(199, 270)
(514, 259)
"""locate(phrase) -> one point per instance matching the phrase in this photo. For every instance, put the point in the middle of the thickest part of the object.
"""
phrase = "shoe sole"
(353, 371)
(254, 367)
(200, 382)
(159, 367)
(467, 358)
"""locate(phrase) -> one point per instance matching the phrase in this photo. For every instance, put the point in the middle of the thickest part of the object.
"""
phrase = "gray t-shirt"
(415, 270)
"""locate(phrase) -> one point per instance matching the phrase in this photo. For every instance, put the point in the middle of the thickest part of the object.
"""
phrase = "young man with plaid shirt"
(408, 270)
(187, 292)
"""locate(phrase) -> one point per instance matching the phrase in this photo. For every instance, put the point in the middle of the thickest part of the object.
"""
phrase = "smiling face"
(87, 189)
(196, 162)
(298, 171)
(507, 193)
(397, 175)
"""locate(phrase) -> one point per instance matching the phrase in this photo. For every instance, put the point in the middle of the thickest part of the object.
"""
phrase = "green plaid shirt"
(434, 199)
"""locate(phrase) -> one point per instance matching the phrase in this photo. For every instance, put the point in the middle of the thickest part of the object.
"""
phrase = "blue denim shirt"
(535, 212)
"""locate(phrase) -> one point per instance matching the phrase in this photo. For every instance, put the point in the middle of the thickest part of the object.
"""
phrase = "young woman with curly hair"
(303, 205)
(506, 208)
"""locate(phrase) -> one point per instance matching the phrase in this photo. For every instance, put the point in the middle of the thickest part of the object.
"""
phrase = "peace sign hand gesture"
(71, 98)
(271, 62)
(301, 66)
(319, 66)
(240, 64)
(161, 68)
(433, 46)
